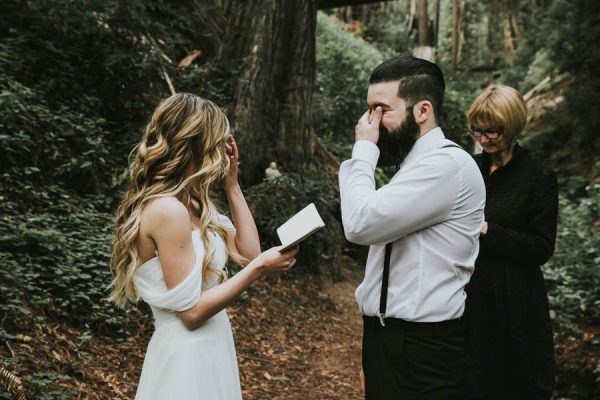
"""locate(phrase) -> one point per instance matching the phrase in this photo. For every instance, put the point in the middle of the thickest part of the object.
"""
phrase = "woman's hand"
(218, 297)
(274, 262)
(230, 182)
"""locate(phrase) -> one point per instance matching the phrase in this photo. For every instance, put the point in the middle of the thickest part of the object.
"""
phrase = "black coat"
(508, 323)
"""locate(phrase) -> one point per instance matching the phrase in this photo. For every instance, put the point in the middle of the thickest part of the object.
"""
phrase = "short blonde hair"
(501, 106)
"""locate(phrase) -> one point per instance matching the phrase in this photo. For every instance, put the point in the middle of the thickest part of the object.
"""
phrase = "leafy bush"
(55, 262)
(340, 98)
(387, 29)
(79, 77)
(541, 66)
(573, 273)
(454, 120)
(565, 39)
(274, 201)
(580, 52)
(77, 81)
(344, 64)
(41, 144)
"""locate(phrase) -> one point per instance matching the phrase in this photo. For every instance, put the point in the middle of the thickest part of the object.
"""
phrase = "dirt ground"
(312, 350)
(296, 338)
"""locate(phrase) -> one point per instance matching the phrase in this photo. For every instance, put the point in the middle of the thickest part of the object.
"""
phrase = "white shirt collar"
(429, 141)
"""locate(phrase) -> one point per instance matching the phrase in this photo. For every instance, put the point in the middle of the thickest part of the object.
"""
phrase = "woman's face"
(491, 138)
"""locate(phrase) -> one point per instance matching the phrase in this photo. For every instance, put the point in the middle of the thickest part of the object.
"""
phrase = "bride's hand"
(274, 262)
(230, 182)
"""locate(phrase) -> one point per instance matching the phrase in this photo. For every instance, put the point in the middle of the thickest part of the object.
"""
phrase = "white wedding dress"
(181, 364)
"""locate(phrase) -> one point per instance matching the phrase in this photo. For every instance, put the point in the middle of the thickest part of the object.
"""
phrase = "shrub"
(274, 201)
(55, 262)
(573, 273)
(454, 120)
(387, 29)
(41, 144)
(344, 64)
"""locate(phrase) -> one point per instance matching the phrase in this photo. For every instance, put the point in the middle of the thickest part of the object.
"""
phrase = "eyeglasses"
(490, 133)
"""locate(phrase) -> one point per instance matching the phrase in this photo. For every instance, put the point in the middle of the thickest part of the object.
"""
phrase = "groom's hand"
(367, 127)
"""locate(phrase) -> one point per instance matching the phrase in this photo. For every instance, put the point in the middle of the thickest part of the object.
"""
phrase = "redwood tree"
(273, 44)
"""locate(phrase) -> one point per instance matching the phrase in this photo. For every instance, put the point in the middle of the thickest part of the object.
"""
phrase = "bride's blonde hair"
(182, 152)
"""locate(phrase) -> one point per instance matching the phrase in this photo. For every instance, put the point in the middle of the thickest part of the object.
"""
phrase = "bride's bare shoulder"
(164, 212)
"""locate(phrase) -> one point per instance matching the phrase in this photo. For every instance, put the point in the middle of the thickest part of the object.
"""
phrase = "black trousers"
(414, 360)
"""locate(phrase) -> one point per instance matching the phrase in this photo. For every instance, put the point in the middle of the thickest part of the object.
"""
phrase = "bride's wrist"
(232, 189)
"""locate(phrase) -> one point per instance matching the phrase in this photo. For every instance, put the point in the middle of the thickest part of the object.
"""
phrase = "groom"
(422, 229)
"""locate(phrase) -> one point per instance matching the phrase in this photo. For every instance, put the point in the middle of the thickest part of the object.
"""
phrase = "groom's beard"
(394, 146)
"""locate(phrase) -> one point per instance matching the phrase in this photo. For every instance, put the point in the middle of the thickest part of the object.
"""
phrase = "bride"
(171, 246)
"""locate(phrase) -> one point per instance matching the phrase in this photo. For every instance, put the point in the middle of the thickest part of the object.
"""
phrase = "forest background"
(79, 79)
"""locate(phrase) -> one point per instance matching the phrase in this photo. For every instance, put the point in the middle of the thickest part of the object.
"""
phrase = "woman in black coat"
(508, 323)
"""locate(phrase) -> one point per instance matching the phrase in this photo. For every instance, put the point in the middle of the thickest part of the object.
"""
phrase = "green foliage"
(55, 261)
(575, 45)
(47, 386)
(454, 121)
(41, 144)
(564, 41)
(78, 80)
(387, 29)
(274, 201)
(344, 64)
(340, 98)
(573, 273)
(476, 51)
(541, 66)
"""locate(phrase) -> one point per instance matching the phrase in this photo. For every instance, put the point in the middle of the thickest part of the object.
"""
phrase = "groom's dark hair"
(418, 80)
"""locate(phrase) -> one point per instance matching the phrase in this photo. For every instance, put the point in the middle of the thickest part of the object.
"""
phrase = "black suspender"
(386, 267)
(384, 283)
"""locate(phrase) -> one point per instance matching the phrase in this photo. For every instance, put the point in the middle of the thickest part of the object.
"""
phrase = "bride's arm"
(167, 223)
(246, 235)
(218, 297)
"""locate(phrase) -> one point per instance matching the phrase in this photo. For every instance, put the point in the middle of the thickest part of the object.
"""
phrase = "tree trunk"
(455, 28)
(412, 14)
(426, 47)
(269, 46)
(458, 11)
(509, 47)
(423, 23)
(436, 22)
(274, 43)
(495, 35)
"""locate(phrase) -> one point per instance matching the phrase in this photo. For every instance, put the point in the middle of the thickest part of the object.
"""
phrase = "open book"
(299, 227)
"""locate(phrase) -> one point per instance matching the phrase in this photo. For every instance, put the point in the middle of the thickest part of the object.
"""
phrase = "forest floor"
(297, 337)
(303, 342)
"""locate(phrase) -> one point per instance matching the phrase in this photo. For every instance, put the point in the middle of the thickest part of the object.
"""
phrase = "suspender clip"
(381, 319)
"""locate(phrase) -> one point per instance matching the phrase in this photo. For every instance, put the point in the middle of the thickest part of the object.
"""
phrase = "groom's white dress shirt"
(432, 211)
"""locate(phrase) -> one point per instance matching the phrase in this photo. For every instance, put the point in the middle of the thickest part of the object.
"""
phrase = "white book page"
(300, 226)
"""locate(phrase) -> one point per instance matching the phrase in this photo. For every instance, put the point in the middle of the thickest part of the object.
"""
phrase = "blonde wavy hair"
(501, 106)
(181, 154)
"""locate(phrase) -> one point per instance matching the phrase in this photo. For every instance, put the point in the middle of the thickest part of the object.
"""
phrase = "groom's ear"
(422, 111)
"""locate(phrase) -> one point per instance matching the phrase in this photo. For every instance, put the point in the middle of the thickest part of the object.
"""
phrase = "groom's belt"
(419, 328)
